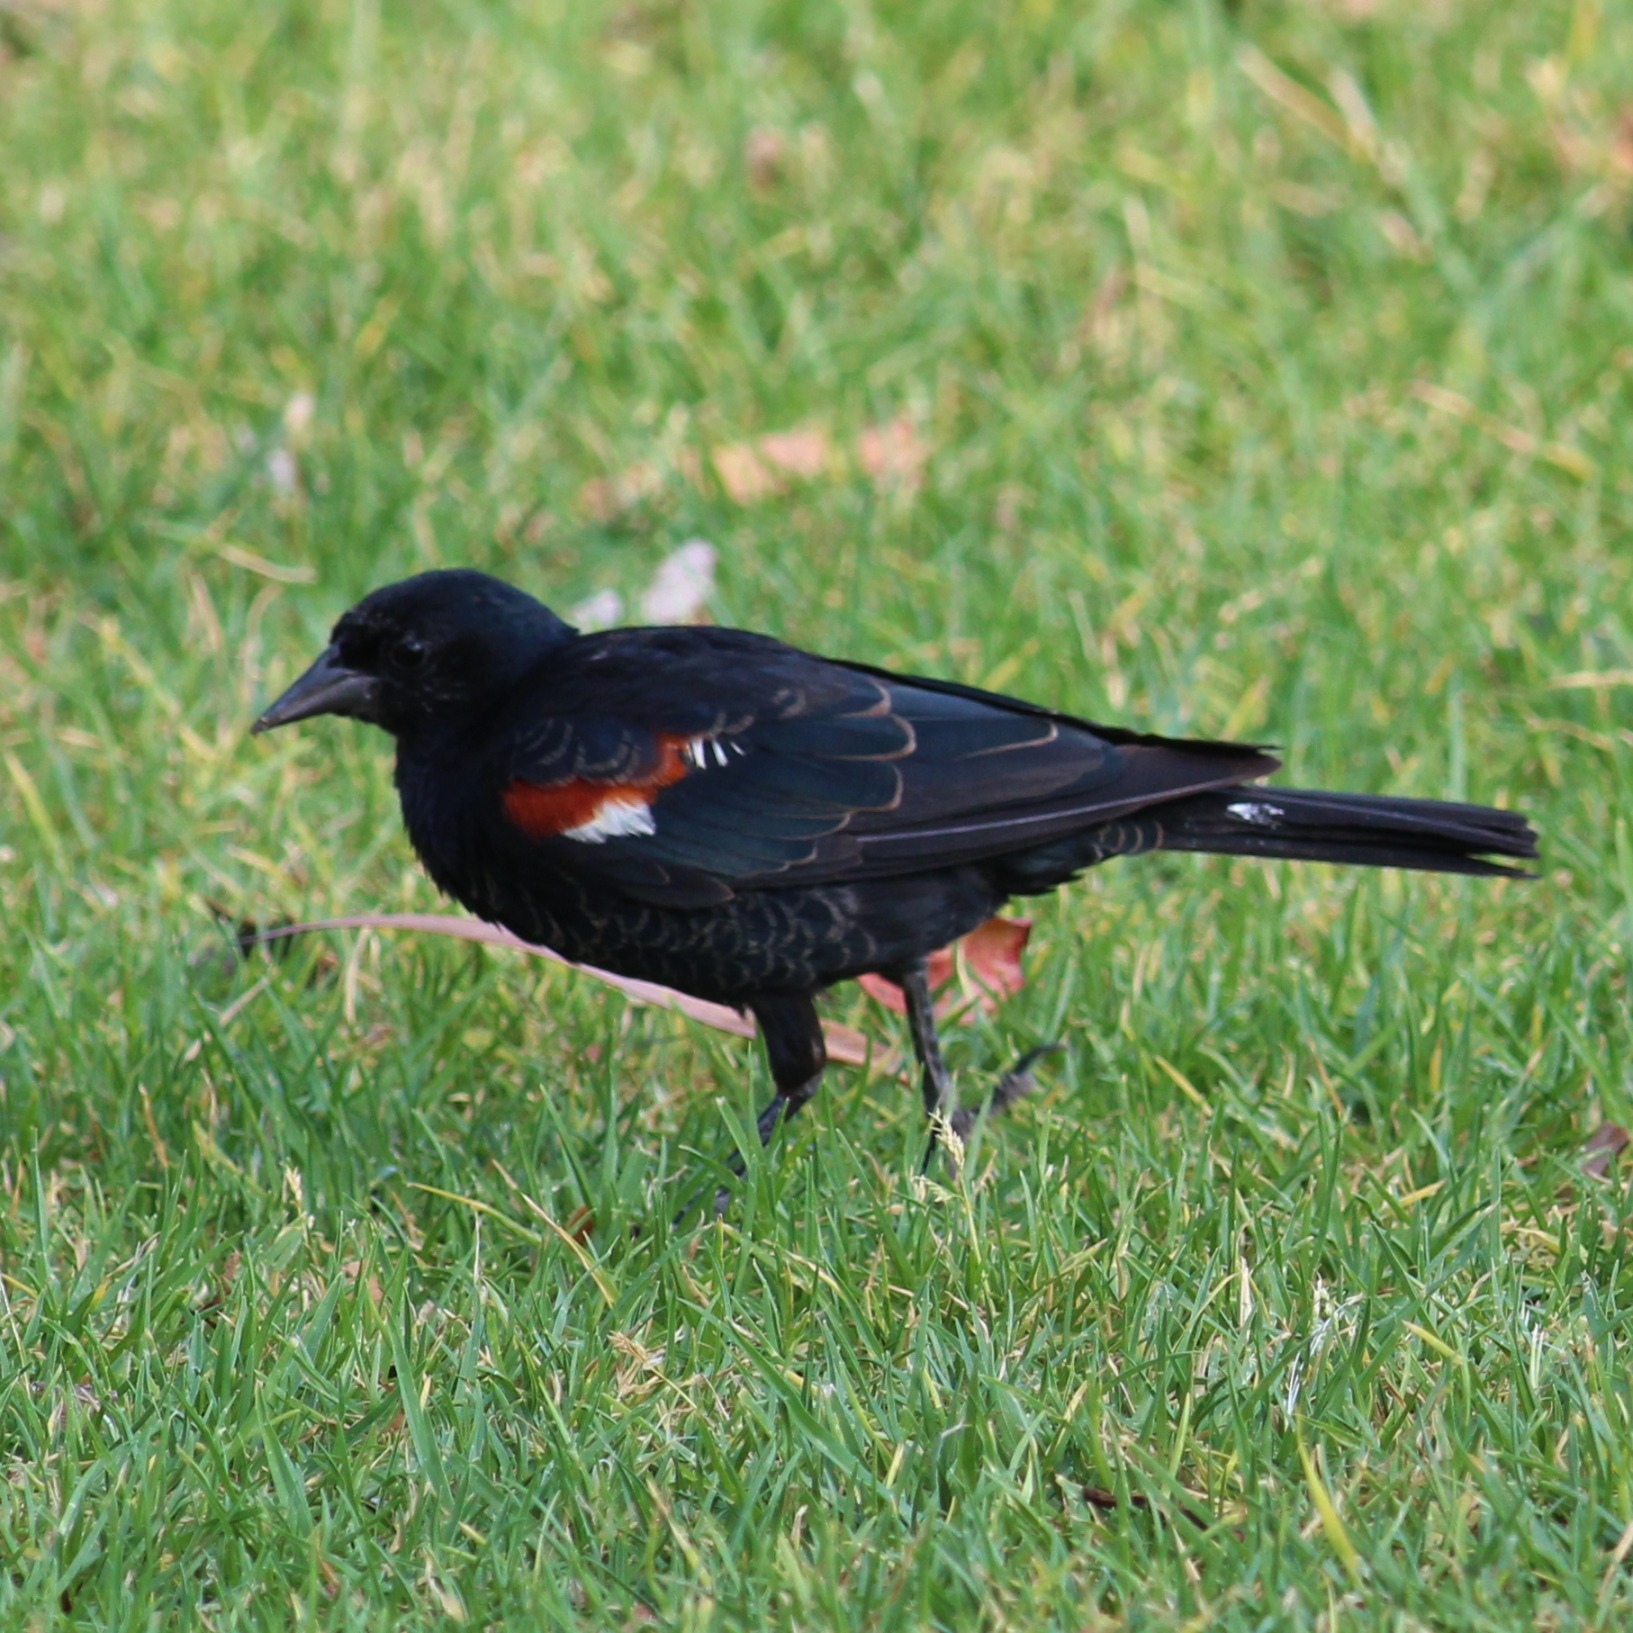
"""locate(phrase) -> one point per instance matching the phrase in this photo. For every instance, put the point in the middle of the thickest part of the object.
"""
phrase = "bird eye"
(408, 653)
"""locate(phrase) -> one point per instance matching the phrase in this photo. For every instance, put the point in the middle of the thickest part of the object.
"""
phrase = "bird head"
(431, 649)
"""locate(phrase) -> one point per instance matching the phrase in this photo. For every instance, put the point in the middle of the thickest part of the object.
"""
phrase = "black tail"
(1304, 824)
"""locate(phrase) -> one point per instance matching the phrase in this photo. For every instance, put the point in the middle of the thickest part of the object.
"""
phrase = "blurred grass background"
(1264, 369)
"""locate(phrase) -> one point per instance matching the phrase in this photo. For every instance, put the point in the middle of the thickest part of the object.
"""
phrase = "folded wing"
(683, 778)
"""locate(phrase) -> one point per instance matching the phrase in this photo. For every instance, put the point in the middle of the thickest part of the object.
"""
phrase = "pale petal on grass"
(298, 414)
(680, 589)
(282, 472)
(600, 611)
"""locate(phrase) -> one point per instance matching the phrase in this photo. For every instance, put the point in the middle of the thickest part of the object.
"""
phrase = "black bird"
(749, 823)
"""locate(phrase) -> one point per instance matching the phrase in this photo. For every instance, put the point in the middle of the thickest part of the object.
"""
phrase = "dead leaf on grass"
(763, 152)
(987, 963)
(745, 477)
(845, 1044)
(804, 452)
(1603, 1146)
(607, 497)
(893, 454)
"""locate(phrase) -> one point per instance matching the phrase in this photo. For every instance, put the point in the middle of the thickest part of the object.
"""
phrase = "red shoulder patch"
(543, 810)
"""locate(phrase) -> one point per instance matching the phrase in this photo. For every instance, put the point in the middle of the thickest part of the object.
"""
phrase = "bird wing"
(685, 765)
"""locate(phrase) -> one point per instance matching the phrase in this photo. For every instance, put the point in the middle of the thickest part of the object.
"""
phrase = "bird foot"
(698, 1202)
(1015, 1084)
(781, 1107)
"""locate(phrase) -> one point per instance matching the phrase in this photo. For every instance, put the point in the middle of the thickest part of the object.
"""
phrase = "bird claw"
(1018, 1081)
(954, 1131)
(698, 1202)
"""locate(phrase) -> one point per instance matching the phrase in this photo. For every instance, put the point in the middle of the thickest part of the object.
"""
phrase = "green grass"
(1274, 365)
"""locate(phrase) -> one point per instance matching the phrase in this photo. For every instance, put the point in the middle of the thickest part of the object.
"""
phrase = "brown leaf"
(1621, 145)
(1100, 1497)
(1603, 1146)
(804, 452)
(352, 1270)
(893, 454)
(1099, 317)
(217, 1296)
(605, 497)
(882, 990)
(743, 474)
(987, 961)
(762, 157)
(991, 955)
(751, 471)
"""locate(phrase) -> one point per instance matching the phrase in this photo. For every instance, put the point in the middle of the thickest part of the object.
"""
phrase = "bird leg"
(796, 1050)
(940, 1102)
(1015, 1083)
(914, 981)
(797, 1053)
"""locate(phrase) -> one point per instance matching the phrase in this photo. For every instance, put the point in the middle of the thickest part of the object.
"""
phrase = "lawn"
(1234, 369)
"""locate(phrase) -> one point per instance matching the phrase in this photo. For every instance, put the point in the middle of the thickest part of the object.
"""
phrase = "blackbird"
(740, 820)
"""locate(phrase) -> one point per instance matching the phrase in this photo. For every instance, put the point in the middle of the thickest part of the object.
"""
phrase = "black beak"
(328, 687)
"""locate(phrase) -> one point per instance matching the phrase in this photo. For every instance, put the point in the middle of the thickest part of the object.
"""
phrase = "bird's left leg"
(940, 1103)
(940, 1100)
(795, 1048)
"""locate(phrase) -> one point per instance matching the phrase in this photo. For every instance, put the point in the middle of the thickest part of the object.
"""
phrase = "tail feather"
(1304, 824)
